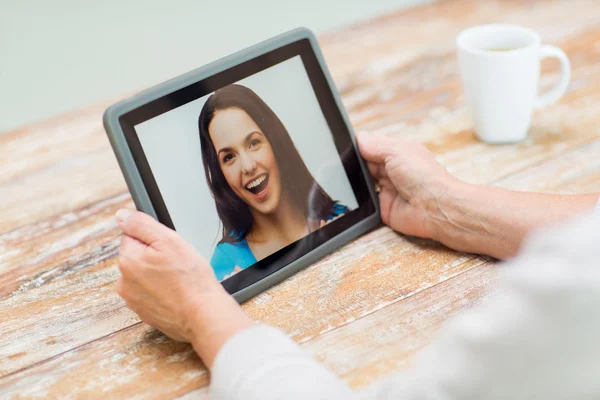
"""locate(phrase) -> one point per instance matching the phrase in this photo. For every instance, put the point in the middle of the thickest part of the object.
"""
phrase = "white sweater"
(538, 337)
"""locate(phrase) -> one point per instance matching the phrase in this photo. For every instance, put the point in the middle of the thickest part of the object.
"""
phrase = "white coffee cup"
(500, 68)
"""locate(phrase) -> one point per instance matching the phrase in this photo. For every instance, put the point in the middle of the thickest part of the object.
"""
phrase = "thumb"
(141, 226)
(376, 148)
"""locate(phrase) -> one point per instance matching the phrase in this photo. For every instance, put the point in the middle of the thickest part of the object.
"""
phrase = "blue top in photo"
(227, 255)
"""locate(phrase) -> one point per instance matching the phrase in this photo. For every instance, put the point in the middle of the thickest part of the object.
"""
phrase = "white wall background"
(58, 55)
(172, 146)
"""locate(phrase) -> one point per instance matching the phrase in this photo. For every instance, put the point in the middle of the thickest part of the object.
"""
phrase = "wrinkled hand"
(412, 183)
(172, 287)
(163, 278)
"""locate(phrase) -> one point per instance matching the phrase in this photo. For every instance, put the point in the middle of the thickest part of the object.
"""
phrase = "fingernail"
(122, 215)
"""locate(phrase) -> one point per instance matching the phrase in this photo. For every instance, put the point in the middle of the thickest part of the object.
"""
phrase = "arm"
(536, 338)
(493, 221)
(419, 197)
(262, 363)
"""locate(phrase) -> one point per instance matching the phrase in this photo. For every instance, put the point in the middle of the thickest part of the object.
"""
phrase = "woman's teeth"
(256, 182)
(258, 185)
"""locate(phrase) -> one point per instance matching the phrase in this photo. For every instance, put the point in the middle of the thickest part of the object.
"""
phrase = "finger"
(376, 170)
(127, 286)
(398, 214)
(377, 148)
(141, 226)
(393, 208)
(131, 248)
(131, 265)
(237, 268)
(385, 183)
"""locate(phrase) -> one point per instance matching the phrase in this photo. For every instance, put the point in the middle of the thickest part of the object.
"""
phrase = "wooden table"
(363, 311)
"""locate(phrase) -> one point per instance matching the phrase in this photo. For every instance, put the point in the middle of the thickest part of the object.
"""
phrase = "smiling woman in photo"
(265, 196)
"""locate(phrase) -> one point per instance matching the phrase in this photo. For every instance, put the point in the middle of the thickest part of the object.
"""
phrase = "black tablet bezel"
(335, 120)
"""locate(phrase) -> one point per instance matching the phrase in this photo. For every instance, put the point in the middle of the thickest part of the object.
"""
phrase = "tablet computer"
(251, 158)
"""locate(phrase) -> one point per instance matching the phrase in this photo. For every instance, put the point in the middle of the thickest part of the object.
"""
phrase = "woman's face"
(246, 159)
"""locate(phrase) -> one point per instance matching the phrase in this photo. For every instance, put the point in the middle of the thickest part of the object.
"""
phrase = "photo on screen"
(248, 169)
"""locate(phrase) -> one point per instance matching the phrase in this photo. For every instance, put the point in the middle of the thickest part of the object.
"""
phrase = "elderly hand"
(173, 288)
(419, 197)
(413, 185)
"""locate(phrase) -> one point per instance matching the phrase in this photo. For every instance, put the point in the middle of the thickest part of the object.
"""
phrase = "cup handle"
(547, 51)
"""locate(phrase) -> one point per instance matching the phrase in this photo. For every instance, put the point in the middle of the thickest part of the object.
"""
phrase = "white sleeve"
(262, 363)
(535, 338)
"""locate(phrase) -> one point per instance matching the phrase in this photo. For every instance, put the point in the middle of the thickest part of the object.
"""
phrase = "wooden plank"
(109, 374)
(163, 368)
(37, 253)
(43, 144)
(69, 184)
(388, 341)
(399, 331)
(46, 321)
(394, 41)
(360, 279)
(576, 171)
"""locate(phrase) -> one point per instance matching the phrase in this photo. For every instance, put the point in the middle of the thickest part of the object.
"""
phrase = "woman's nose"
(248, 164)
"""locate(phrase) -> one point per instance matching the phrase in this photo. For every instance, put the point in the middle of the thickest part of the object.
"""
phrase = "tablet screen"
(250, 171)
(259, 164)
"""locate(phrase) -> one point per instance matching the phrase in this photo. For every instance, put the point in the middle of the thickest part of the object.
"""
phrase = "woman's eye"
(254, 142)
(227, 157)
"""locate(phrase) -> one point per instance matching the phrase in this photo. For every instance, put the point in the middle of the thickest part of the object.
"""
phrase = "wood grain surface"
(365, 310)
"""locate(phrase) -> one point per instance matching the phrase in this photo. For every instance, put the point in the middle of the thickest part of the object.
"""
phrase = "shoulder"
(227, 255)
(223, 258)
(337, 210)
